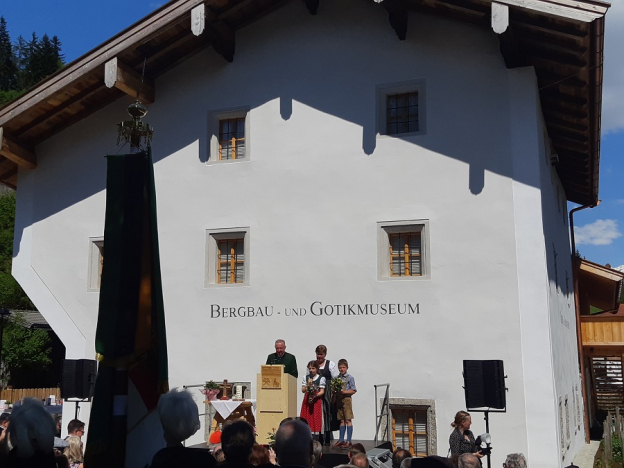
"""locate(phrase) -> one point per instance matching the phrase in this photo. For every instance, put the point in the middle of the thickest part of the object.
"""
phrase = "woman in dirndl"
(313, 387)
(329, 370)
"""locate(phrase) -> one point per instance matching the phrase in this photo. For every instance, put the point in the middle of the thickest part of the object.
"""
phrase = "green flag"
(124, 430)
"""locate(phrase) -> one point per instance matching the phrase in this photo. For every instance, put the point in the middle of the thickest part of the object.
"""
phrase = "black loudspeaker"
(78, 378)
(484, 384)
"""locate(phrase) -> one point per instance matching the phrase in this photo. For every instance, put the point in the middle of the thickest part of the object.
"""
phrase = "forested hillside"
(23, 63)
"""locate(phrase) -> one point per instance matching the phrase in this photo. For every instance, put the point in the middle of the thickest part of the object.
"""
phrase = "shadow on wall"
(287, 56)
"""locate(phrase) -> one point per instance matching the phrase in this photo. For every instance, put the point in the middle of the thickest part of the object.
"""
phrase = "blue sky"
(82, 25)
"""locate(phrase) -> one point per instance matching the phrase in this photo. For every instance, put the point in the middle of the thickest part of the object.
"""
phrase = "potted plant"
(211, 389)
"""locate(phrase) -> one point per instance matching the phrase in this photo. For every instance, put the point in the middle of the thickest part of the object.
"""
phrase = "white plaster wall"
(315, 187)
(562, 313)
(550, 356)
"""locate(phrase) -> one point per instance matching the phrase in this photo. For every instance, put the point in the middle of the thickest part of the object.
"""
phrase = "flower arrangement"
(311, 390)
(338, 384)
(210, 390)
(211, 385)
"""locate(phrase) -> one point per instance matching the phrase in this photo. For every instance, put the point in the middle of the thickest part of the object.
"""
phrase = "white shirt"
(304, 381)
(333, 369)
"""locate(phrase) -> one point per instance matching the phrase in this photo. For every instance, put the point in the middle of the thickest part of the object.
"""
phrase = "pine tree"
(47, 58)
(8, 69)
(32, 65)
(26, 63)
(59, 56)
(20, 54)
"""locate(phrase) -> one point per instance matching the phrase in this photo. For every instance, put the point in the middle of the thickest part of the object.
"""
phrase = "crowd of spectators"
(28, 439)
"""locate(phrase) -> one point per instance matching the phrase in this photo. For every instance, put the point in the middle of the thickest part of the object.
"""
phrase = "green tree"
(8, 69)
(26, 63)
(12, 296)
(25, 353)
(20, 54)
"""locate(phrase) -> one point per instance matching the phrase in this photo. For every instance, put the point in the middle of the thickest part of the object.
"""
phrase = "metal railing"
(385, 411)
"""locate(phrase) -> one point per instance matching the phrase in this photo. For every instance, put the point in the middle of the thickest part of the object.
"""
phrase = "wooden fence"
(15, 394)
(611, 455)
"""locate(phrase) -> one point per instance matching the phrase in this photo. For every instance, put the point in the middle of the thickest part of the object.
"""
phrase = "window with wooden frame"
(404, 251)
(403, 247)
(96, 263)
(227, 257)
(228, 133)
(232, 138)
(230, 261)
(410, 431)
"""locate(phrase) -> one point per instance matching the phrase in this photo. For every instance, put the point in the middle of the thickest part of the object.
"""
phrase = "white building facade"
(313, 206)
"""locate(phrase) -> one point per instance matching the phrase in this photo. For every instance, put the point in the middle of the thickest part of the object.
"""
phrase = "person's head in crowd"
(360, 460)
(317, 452)
(4, 420)
(219, 455)
(293, 444)
(178, 415)
(280, 347)
(313, 368)
(398, 456)
(462, 421)
(74, 451)
(515, 460)
(343, 366)
(321, 352)
(405, 463)
(237, 440)
(356, 448)
(32, 429)
(297, 418)
(75, 428)
(468, 460)
(259, 455)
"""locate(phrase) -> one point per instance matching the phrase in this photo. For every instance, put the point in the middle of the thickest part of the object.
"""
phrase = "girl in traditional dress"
(329, 370)
(313, 387)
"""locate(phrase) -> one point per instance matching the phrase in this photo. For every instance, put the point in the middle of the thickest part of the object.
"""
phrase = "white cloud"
(620, 201)
(600, 232)
(613, 78)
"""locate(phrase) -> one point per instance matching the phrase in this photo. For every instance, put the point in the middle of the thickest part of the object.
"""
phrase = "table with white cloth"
(230, 410)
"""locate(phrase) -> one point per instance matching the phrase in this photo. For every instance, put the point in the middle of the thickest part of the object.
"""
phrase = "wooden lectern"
(276, 400)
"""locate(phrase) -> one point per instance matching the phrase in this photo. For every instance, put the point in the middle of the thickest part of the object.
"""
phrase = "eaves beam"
(216, 31)
(15, 151)
(119, 75)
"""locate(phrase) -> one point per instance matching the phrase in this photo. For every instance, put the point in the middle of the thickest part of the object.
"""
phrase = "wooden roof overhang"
(601, 334)
(600, 287)
(562, 39)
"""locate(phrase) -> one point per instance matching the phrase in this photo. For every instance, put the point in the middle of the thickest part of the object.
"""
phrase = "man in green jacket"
(280, 356)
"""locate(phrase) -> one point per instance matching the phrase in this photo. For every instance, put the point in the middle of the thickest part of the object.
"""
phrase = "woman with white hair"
(515, 460)
(31, 436)
(180, 420)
